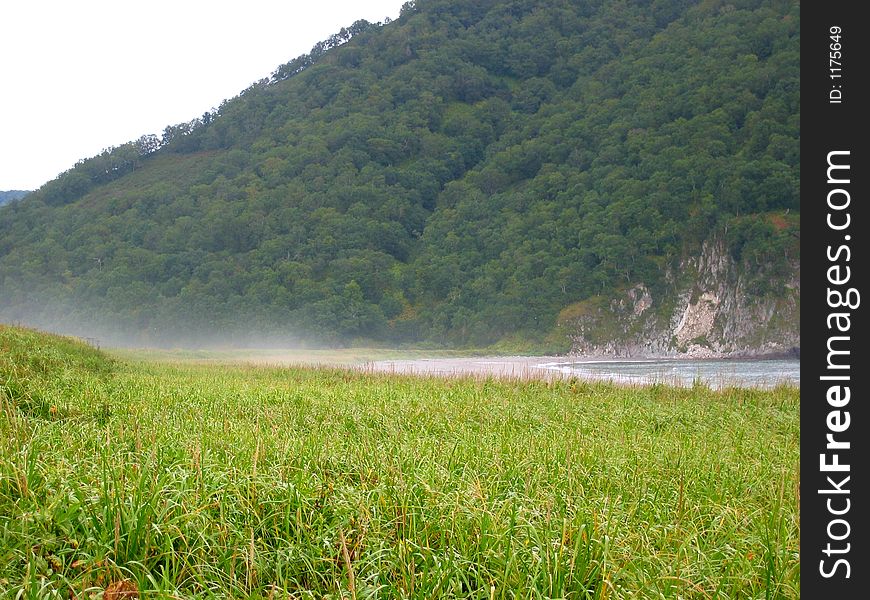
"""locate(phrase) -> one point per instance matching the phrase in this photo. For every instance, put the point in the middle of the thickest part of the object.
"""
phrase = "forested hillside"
(461, 175)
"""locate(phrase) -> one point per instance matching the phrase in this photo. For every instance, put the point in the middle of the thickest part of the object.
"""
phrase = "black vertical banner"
(834, 370)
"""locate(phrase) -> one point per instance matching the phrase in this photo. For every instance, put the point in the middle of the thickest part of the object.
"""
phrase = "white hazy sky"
(79, 76)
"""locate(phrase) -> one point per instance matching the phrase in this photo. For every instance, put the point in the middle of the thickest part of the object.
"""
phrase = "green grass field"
(189, 480)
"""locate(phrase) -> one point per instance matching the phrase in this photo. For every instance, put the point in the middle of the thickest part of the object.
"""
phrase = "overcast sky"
(79, 76)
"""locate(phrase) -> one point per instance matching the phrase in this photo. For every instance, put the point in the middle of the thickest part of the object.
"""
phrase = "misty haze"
(492, 299)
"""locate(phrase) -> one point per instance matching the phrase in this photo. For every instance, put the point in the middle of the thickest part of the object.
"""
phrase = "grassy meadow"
(120, 476)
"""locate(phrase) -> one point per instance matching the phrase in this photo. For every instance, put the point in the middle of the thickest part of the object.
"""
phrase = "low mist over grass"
(214, 480)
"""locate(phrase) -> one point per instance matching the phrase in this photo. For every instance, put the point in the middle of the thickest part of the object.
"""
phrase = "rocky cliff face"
(711, 307)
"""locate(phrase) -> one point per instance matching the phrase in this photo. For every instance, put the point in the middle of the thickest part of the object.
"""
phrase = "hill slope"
(462, 175)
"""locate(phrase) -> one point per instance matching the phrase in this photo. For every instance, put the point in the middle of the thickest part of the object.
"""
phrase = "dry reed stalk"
(351, 583)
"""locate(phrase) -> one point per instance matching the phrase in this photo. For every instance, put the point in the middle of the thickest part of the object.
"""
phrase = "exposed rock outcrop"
(710, 307)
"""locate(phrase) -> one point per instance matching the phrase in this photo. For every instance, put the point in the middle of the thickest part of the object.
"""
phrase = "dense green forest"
(459, 175)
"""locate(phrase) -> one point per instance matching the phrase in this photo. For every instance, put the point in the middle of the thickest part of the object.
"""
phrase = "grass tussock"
(220, 481)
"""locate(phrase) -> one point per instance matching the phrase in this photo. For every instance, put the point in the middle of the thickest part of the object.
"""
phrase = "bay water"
(761, 373)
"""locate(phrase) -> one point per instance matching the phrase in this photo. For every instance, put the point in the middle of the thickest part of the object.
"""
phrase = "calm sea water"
(715, 373)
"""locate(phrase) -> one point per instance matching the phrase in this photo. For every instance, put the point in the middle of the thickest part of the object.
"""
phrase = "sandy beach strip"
(504, 367)
(375, 361)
